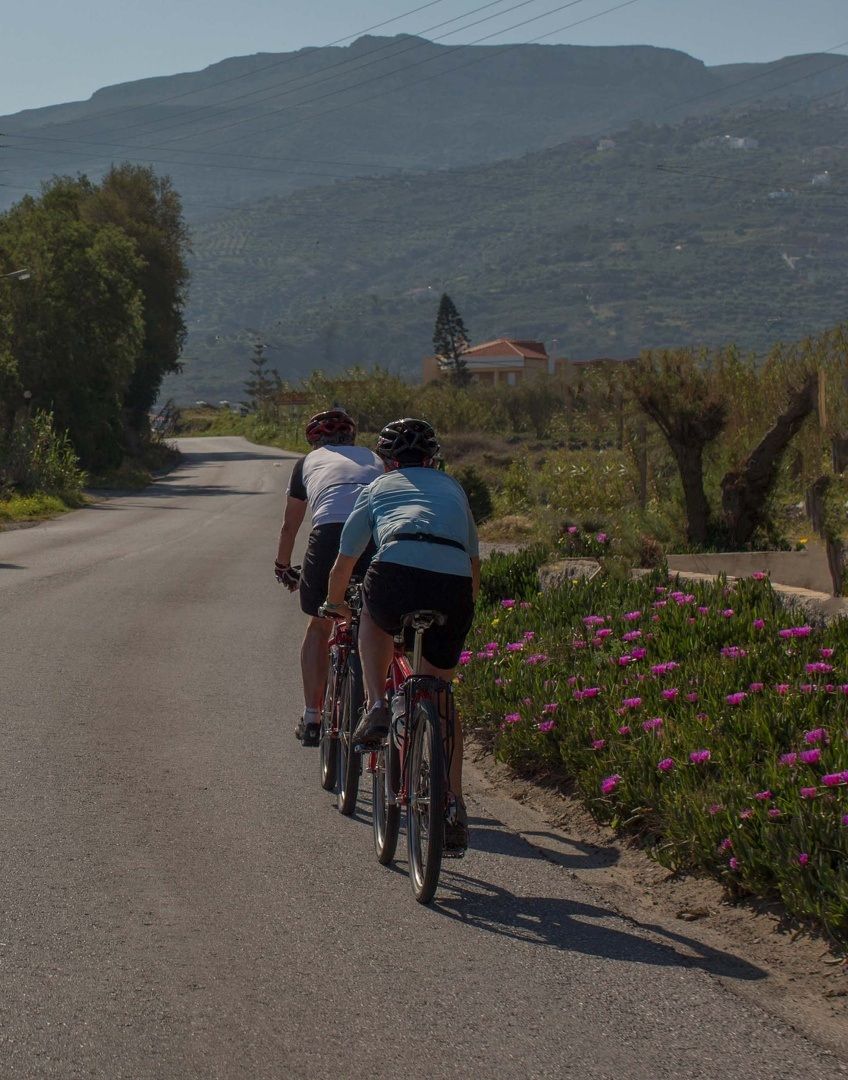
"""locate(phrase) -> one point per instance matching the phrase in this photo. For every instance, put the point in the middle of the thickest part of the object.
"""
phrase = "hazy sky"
(62, 50)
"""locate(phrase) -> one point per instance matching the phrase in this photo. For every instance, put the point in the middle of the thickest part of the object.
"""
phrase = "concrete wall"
(797, 569)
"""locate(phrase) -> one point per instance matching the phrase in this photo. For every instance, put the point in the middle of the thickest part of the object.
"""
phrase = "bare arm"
(340, 578)
(292, 520)
(475, 577)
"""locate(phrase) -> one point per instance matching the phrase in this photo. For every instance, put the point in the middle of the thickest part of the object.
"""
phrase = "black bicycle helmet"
(332, 427)
(408, 442)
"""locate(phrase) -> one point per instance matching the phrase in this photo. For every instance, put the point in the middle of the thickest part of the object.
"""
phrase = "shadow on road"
(11, 566)
(572, 926)
(488, 834)
(197, 457)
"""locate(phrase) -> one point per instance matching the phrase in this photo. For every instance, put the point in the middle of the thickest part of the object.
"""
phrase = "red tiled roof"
(530, 350)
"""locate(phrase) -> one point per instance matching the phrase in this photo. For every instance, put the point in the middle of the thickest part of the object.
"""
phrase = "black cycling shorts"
(392, 591)
(321, 551)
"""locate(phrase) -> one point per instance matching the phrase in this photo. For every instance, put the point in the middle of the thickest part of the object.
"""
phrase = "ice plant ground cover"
(710, 720)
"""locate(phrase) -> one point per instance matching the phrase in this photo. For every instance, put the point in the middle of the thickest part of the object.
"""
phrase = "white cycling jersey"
(330, 479)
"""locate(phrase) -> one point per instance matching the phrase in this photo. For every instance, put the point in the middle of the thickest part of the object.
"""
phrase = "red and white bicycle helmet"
(334, 426)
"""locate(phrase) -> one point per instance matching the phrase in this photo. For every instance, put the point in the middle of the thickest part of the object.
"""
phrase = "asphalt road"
(179, 899)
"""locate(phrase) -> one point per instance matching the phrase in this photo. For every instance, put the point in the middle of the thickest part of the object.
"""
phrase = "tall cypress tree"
(450, 340)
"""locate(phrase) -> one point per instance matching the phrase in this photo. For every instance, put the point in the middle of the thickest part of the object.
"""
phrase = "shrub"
(708, 721)
(477, 490)
(512, 576)
(35, 457)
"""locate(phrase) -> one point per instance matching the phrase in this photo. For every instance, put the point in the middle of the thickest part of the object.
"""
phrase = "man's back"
(330, 479)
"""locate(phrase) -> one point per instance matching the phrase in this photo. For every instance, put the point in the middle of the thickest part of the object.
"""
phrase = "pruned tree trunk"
(745, 492)
(690, 463)
(834, 546)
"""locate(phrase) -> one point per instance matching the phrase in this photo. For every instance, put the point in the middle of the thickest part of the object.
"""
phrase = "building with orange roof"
(503, 361)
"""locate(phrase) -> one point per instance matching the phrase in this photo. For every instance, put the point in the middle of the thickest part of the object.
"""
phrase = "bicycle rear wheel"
(385, 812)
(349, 763)
(425, 816)
(329, 757)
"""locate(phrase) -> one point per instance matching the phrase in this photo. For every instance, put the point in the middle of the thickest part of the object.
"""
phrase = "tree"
(147, 209)
(677, 391)
(264, 384)
(450, 340)
(77, 327)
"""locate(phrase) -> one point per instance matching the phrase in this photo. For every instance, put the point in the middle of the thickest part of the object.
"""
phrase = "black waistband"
(428, 538)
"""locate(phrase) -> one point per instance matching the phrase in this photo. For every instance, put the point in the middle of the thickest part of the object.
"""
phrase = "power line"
(427, 60)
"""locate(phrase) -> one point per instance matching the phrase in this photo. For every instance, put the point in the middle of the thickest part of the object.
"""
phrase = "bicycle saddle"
(423, 620)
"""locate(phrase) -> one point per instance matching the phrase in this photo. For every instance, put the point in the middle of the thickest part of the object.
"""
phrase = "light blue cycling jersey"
(413, 500)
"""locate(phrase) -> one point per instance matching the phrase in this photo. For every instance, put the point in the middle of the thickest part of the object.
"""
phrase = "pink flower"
(515, 646)
(733, 863)
(551, 707)
(763, 795)
(652, 725)
(826, 654)
(703, 610)
(572, 530)
(528, 635)
(631, 635)
(525, 605)
(728, 613)
(817, 735)
(755, 687)
(699, 757)
(782, 688)
(803, 858)
(746, 814)
(759, 624)
(599, 744)
(810, 757)
(833, 779)
(624, 729)
(632, 616)
(639, 654)
(602, 538)
(666, 765)
(736, 699)
(714, 808)
(610, 783)
(632, 702)
(594, 620)
(796, 632)
(670, 694)
(546, 725)
(759, 575)
(845, 819)
(789, 759)
(726, 844)
(819, 668)
(465, 657)
(809, 792)
(536, 658)
(507, 604)
(774, 812)
(604, 633)
(733, 652)
(589, 692)
(666, 668)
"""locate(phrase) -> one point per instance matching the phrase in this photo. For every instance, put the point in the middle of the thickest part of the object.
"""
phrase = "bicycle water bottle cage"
(423, 620)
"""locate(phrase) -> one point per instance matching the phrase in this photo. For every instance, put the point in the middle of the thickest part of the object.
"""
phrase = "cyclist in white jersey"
(328, 482)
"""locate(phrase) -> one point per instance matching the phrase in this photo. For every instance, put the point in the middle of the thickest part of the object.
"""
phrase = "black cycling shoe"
(456, 830)
(372, 728)
(309, 734)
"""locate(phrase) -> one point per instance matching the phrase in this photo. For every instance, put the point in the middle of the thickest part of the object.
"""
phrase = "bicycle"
(343, 699)
(411, 768)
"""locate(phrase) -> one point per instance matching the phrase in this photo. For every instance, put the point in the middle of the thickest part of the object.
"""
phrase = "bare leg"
(455, 778)
(315, 660)
(376, 649)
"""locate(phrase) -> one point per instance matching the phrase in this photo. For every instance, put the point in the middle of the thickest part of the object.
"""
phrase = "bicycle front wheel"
(425, 817)
(349, 763)
(385, 812)
(328, 736)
